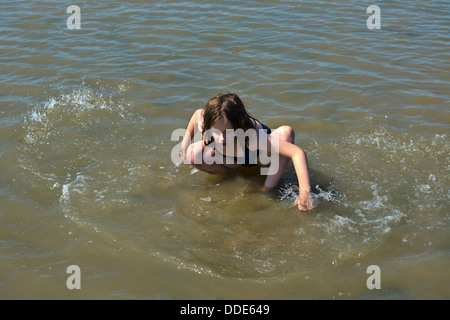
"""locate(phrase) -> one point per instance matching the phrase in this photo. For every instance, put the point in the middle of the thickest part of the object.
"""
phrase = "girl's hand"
(305, 201)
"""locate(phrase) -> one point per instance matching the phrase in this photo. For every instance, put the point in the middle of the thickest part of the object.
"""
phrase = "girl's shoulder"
(256, 124)
(198, 114)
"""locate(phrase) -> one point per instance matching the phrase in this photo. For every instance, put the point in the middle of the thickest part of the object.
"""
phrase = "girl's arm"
(298, 157)
(192, 128)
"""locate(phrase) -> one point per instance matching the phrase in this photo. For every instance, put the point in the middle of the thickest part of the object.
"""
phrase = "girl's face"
(219, 130)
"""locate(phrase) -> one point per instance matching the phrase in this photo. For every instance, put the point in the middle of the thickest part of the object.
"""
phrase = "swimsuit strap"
(264, 126)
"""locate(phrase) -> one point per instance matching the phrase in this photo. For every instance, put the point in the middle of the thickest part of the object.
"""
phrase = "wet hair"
(229, 106)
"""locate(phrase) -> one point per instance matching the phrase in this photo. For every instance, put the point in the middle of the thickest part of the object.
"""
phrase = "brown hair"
(229, 106)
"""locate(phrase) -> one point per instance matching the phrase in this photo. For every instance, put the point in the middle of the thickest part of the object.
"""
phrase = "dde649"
(246, 309)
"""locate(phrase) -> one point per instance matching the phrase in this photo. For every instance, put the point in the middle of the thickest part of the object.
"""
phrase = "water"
(87, 179)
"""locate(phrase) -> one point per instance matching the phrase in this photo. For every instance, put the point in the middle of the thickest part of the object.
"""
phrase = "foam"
(290, 192)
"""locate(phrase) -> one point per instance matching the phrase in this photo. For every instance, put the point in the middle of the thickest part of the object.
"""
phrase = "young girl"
(226, 112)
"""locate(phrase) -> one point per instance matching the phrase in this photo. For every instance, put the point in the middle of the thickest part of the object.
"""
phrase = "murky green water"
(85, 141)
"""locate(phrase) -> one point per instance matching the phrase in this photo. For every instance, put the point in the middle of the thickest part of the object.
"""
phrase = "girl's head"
(228, 107)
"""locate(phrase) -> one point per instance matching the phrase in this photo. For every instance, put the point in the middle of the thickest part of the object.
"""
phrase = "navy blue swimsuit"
(247, 151)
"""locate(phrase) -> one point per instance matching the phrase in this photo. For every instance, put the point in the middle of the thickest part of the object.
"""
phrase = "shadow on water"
(319, 180)
(322, 185)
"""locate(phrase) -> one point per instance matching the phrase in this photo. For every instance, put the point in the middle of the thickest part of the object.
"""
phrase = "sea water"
(85, 141)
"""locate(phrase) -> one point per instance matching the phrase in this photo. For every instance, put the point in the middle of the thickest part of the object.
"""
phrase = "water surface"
(85, 140)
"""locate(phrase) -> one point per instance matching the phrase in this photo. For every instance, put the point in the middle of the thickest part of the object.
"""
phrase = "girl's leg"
(285, 133)
(196, 157)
